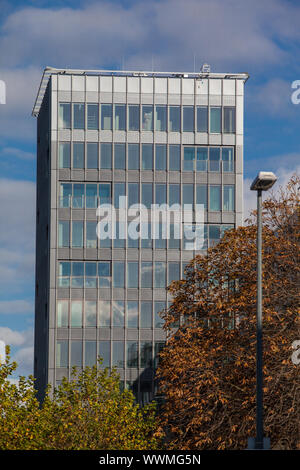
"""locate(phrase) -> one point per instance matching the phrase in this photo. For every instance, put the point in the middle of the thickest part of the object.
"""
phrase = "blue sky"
(258, 37)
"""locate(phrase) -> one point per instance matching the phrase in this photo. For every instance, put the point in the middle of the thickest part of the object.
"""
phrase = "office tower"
(155, 138)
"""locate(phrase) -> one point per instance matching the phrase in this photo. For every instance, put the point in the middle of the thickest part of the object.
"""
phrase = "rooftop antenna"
(194, 63)
(205, 68)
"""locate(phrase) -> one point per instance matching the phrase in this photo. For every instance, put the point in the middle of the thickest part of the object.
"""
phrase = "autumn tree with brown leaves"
(208, 368)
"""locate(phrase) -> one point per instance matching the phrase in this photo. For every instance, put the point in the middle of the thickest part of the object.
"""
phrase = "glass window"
(161, 234)
(92, 155)
(133, 157)
(229, 120)
(91, 191)
(119, 156)
(118, 274)
(92, 116)
(147, 156)
(228, 159)
(174, 272)
(77, 234)
(133, 117)
(78, 116)
(90, 313)
(228, 197)
(160, 194)
(104, 193)
(133, 240)
(90, 353)
(132, 274)
(146, 354)
(215, 120)
(146, 315)
(214, 234)
(118, 313)
(120, 234)
(188, 158)
(174, 241)
(202, 157)
(63, 233)
(104, 274)
(64, 272)
(215, 198)
(188, 118)
(106, 117)
(104, 313)
(160, 118)
(158, 307)
(62, 313)
(64, 116)
(174, 194)
(77, 274)
(78, 196)
(174, 157)
(132, 314)
(91, 235)
(64, 155)
(160, 157)
(62, 353)
(120, 117)
(147, 194)
(158, 348)
(159, 274)
(132, 354)
(146, 274)
(106, 149)
(119, 191)
(133, 194)
(65, 195)
(174, 118)
(90, 280)
(78, 155)
(202, 119)
(147, 118)
(188, 194)
(104, 353)
(118, 354)
(201, 195)
(76, 313)
(214, 158)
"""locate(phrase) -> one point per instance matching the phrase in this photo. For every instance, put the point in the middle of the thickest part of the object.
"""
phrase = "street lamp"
(263, 182)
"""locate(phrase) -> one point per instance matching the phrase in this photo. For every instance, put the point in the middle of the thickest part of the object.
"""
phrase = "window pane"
(105, 156)
(118, 313)
(104, 313)
(215, 198)
(174, 241)
(64, 116)
(188, 194)
(90, 353)
(133, 156)
(228, 197)
(118, 274)
(146, 274)
(174, 118)
(104, 274)
(62, 353)
(158, 348)
(147, 156)
(119, 191)
(146, 315)
(62, 313)
(132, 354)
(133, 194)
(104, 353)
(214, 159)
(146, 354)
(106, 116)
(147, 118)
(159, 274)
(132, 274)
(93, 116)
(64, 155)
(120, 117)
(202, 157)
(104, 193)
(119, 156)
(228, 159)
(90, 313)
(91, 191)
(78, 155)
(214, 234)
(134, 117)
(174, 272)
(63, 233)
(147, 194)
(118, 354)
(91, 235)
(188, 119)
(64, 272)
(160, 194)
(215, 120)
(158, 307)
(202, 119)
(188, 158)
(229, 120)
(174, 194)
(78, 115)
(78, 196)
(77, 273)
(174, 157)
(92, 155)
(65, 195)
(201, 195)
(161, 118)
(77, 234)
(76, 353)
(160, 157)
(132, 314)
(76, 313)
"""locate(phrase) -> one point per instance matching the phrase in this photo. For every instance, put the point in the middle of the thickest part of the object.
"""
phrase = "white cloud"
(273, 98)
(17, 153)
(10, 337)
(23, 341)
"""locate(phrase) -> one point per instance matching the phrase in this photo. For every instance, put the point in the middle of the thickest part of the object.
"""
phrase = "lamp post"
(262, 182)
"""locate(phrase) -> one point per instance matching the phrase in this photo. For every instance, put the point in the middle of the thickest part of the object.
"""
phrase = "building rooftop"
(48, 71)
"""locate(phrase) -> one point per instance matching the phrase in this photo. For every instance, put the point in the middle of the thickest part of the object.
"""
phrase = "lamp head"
(263, 181)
